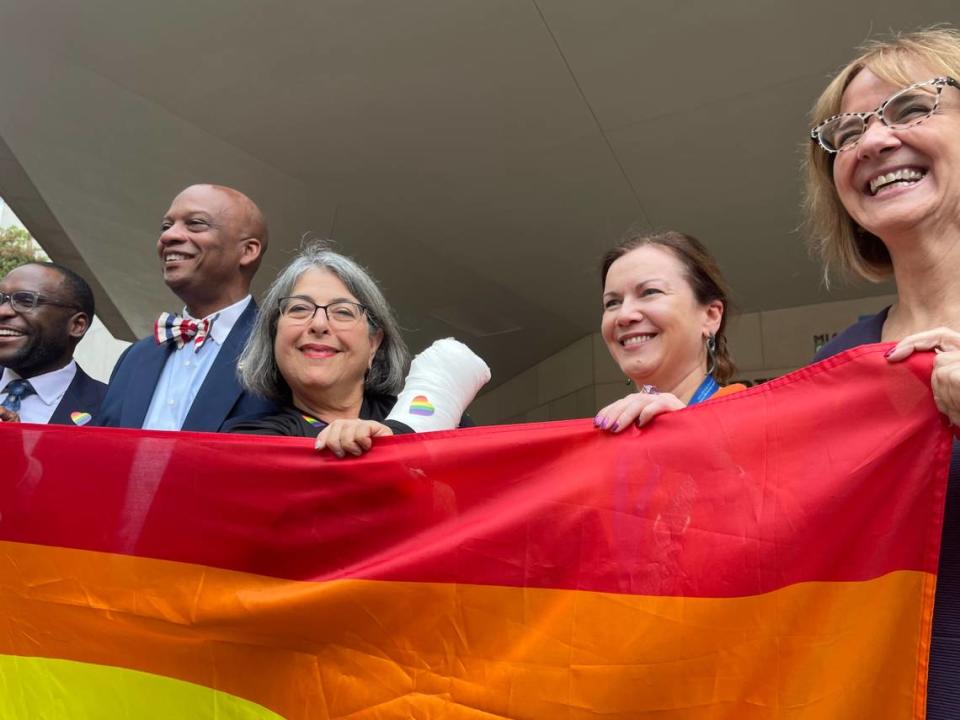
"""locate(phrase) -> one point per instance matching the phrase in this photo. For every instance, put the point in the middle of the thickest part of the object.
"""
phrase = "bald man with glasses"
(45, 310)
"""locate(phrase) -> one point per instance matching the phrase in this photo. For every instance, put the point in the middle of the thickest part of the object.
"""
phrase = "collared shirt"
(50, 387)
(186, 369)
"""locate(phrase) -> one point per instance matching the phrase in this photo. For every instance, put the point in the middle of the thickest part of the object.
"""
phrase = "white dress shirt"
(50, 387)
(186, 369)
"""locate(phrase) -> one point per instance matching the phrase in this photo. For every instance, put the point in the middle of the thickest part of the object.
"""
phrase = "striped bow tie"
(181, 330)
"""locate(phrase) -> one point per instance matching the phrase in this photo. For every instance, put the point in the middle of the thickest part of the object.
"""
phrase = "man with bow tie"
(45, 310)
(184, 377)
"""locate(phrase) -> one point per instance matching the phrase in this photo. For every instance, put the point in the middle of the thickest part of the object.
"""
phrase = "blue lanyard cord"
(707, 388)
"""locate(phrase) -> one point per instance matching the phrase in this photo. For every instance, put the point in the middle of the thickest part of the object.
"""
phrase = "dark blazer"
(221, 398)
(83, 395)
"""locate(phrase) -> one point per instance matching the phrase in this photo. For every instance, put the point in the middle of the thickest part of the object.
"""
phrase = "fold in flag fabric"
(770, 554)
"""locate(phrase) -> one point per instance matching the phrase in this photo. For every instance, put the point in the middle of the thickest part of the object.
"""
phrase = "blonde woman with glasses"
(883, 195)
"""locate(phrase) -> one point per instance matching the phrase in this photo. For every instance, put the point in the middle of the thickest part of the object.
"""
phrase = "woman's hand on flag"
(639, 408)
(350, 436)
(945, 379)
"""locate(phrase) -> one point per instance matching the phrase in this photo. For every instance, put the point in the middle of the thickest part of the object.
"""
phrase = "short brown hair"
(703, 274)
(839, 241)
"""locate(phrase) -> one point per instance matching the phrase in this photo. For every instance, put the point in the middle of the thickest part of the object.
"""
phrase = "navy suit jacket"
(221, 398)
(83, 395)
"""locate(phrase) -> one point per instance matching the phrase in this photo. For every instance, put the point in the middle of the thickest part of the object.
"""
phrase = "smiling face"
(207, 248)
(41, 340)
(907, 179)
(652, 323)
(324, 366)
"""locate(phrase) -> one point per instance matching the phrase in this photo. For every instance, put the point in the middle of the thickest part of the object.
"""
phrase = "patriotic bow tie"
(181, 330)
(16, 391)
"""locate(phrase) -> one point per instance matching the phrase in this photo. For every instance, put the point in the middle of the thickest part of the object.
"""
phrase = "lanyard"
(707, 388)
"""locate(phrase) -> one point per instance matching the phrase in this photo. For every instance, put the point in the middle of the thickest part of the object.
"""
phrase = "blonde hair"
(834, 235)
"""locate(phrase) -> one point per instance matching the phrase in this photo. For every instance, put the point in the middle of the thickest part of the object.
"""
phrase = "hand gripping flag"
(770, 554)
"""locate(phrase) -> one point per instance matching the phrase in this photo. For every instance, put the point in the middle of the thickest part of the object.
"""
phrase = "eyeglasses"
(903, 109)
(343, 314)
(25, 301)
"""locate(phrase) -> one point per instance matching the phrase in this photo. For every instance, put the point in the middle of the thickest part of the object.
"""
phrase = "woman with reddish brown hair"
(664, 322)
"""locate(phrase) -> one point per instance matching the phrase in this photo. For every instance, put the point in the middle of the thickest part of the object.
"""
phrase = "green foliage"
(17, 248)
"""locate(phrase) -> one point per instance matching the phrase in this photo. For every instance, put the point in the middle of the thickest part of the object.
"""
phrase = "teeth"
(9, 332)
(902, 175)
(636, 340)
(173, 257)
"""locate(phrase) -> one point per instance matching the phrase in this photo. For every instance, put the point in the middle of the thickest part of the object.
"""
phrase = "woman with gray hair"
(327, 349)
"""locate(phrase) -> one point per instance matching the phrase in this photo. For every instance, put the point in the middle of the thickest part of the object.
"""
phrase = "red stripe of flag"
(757, 484)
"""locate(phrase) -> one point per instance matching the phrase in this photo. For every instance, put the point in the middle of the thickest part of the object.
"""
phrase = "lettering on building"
(822, 339)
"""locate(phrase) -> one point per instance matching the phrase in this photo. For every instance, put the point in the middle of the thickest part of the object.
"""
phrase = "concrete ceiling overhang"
(477, 156)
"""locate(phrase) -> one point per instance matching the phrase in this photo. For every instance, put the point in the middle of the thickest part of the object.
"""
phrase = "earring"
(628, 382)
(710, 341)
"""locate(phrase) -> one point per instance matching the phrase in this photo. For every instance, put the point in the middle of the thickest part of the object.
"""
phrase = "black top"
(943, 694)
(293, 422)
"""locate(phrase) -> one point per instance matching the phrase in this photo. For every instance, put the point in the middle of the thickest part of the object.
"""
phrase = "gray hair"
(258, 365)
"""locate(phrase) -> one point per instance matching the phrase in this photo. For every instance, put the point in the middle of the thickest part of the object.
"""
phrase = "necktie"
(16, 391)
(180, 330)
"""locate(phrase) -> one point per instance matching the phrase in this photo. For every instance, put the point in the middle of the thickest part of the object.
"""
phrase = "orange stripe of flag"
(370, 648)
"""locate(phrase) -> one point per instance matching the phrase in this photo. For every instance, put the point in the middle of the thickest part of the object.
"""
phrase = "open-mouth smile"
(901, 177)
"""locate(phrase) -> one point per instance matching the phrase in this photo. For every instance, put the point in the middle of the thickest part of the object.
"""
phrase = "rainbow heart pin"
(80, 418)
(420, 405)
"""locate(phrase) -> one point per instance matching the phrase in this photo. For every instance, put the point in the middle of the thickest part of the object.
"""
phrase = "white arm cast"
(442, 382)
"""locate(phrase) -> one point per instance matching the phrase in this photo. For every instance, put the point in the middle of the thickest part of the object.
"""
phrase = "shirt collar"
(225, 319)
(50, 386)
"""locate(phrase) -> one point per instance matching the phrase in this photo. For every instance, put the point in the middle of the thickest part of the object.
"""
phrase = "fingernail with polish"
(613, 428)
(889, 352)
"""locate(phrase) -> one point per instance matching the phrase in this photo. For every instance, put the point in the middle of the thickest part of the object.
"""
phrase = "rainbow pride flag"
(770, 554)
